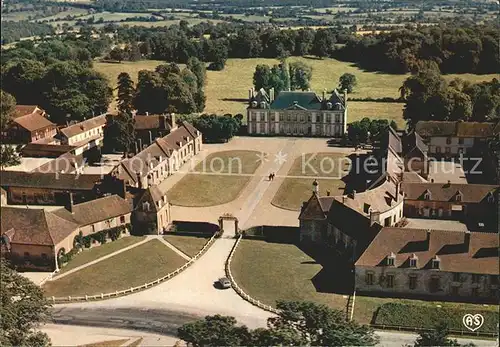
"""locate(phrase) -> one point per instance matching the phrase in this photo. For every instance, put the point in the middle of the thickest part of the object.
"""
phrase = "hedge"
(423, 316)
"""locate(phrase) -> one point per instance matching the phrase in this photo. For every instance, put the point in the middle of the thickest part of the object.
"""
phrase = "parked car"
(224, 282)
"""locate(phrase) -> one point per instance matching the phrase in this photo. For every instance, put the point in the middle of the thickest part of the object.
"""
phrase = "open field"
(128, 269)
(293, 191)
(211, 189)
(190, 245)
(227, 90)
(271, 271)
(94, 253)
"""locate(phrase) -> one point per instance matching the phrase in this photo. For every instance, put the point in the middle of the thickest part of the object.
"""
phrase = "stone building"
(152, 211)
(415, 154)
(297, 113)
(162, 158)
(429, 264)
(472, 203)
(148, 128)
(36, 238)
(29, 124)
(84, 135)
(454, 138)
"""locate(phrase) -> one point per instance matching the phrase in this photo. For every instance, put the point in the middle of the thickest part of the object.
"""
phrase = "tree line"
(452, 49)
(14, 31)
(429, 96)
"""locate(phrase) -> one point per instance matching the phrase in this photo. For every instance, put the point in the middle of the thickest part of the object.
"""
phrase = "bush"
(216, 66)
(424, 316)
(114, 233)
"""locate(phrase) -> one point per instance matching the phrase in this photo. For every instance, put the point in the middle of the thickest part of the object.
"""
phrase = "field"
(272, 271)
(208, 187)
(100, 251)
(293, 191)
(190, 245)
(128, 269)
(227, 90)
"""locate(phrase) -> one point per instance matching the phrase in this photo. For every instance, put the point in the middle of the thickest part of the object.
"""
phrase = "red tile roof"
(456, 254)
(34, 121)
(471, 193)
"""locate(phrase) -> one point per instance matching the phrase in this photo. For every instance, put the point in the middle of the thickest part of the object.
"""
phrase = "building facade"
(152, 211)
(29, 125)
(84, 135)
(433, 264)
(297, 114)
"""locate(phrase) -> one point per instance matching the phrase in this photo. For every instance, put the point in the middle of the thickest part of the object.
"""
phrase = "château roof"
(303, 100)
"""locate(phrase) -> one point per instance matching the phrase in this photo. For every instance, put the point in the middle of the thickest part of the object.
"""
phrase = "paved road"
(163, 321)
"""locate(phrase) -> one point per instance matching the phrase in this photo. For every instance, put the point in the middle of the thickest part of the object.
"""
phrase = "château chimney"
(139, 180)
(466, 241)
(69, 202)
(345, 97)
(271, 95)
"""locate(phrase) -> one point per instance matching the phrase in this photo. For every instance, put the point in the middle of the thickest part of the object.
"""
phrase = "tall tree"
(126, 93)
(151, 95)
(23, 308)
(347, 82)
(300, 75)
(200, 71)
(8, 154)
(261, 76)
(119, 133)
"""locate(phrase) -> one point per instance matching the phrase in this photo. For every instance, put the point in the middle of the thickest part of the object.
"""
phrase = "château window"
(458, 197)
(390, 281)
(413, 262)
(391, 259)
(475, 278)
(427, 196)
(491, 198)
(456, 277)
(475, 292)
(369, 278)
(272, 116)
(494, 279)
(448, 140)
(337, 118)
(413, 281)
(460, 141)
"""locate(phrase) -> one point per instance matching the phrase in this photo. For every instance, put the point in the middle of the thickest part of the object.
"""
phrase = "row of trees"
(14, 31)
(429, 96)
(297, 324)
(453, 49)
(67, 90)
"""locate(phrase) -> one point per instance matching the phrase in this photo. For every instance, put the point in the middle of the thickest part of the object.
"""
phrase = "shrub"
(426, 316)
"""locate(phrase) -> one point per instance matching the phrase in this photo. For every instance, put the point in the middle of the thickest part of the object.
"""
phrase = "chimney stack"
(466, 241)
(315, 187)
(398, 190)
(428, 239)
(173, 122)
(271, 95)
(139, 180)
(324, 95)
(147, 113)
(69, 203)
(327, 193)
(150, 137)
(353, 194)
(345, 97)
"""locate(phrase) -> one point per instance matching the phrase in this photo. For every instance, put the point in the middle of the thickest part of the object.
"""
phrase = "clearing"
(128, 269)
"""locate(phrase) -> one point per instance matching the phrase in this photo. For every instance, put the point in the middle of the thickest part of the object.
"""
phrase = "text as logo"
(473, 321)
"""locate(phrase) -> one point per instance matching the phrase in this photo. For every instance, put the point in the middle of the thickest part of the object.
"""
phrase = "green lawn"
(271, 271)
(212, 189)
(195, 190)
(227, 90)
(293, 191)
(190, 245)
(94, 253)
(144, 263)
(235, 162)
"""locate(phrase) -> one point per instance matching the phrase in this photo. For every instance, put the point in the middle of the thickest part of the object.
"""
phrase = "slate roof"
(380, 198)
(152, 195)
(94, 211)
(48, 180)
(458, 129)
(34, 226)
(394, 141)
(304, 100)
(413, 142)
(86, 125)
(33, 122)
(471, 193)
(313, 210)
(479, 255)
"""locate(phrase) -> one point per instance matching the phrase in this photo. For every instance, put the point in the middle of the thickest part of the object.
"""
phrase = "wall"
(453, 146)
(423, 283)
(45, 196)
(17, 256)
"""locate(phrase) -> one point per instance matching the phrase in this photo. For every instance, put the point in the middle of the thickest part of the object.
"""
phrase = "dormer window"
(254, 103)
(491, 198)
(263, 104)
(338, 106)
(458, 196)
(145, 206)
(329, 105)
(391, 258)
(413, 260)
(436, 263)
(427, 195)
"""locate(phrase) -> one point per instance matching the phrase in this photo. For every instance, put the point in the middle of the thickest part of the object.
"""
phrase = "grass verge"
(132, 268)
(190, 245)
(94, 253)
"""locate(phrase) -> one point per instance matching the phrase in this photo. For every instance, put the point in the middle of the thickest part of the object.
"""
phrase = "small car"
(224, 282)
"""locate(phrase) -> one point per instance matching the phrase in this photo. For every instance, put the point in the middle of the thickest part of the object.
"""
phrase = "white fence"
(237, 288)
(139, 288)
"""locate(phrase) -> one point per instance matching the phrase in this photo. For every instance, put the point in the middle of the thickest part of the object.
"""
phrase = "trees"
(283, 76)
(324, 43)
(151, 95)
(198, 68)
(347, 82)
(8, 155)
(368, 130)
(126, 93)
(298, 323)
(119, 133)
(436, 337)
(23, 309)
